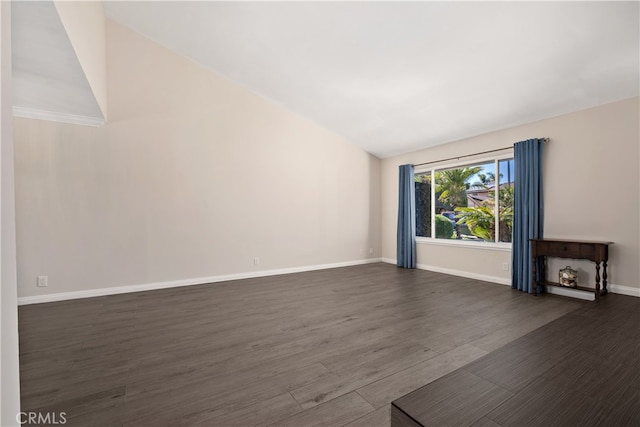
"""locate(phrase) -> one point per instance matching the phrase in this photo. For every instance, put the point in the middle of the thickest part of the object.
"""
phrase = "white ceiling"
(48, 80)
(393, 76)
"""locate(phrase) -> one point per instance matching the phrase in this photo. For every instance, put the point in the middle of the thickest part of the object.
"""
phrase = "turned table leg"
(534, 279)
(597, 279)
(604, 277)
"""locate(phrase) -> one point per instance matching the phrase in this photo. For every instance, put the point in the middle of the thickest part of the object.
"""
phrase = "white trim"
(499, 246)
(624, 290)
(469, 160)
(460, 273)
(496, 200)
(572, 293)
(467, 274)
(63, 296)
(586, 295)
(433, 197)
(457, 163)
(32, 113)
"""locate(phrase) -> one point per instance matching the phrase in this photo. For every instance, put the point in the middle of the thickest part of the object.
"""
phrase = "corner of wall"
(9, 362)
(85, 24)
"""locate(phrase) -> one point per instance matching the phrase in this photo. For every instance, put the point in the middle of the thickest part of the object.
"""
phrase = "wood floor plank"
(78, 408)
(513, 330)
(262, 413)
(196, 354)
(342, 381)
(207, 394)
(400, 419)
(511, 370)
(545, 404)
(439, 402)
(384, 391)
(577, 370)
(485, 422)
(336, 412)
(379, 418)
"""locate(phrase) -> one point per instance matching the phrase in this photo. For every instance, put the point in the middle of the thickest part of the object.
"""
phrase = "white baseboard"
(590, 296)
(460, 273)
(614, 289)
(63, 296)
(467, 274)
(572, 293)
(624, 290)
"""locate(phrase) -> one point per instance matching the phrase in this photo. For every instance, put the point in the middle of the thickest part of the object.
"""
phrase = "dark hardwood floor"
(582, 369)
(332, 347)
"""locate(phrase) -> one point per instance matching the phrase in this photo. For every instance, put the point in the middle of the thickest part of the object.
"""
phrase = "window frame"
(439, 166)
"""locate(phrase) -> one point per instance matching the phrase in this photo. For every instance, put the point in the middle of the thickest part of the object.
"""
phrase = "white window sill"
(502, 247)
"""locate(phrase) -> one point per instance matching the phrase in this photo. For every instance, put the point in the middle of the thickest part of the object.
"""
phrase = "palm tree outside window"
(461, 205)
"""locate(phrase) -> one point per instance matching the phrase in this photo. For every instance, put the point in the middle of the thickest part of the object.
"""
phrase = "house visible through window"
(470, 203)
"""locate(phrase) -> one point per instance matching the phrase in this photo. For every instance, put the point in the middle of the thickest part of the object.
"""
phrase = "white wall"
(591, 185)
(192, 177)
(9, 365)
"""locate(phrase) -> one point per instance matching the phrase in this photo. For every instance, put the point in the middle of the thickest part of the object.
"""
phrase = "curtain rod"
(470, 155)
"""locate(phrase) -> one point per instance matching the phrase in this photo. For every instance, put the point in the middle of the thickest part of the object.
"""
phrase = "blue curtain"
(528, 212)
(406, 218)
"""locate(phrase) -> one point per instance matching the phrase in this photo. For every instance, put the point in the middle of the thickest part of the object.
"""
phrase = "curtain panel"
(528, 210)
(406, 250)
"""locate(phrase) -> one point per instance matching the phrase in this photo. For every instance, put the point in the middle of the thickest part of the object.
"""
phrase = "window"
(423, 204)
(460, 203)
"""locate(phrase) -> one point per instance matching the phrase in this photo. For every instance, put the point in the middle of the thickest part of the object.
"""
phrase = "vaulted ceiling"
(398, 76)
(48, 79)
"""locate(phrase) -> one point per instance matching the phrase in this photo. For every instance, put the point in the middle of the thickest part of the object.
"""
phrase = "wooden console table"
(597, 252)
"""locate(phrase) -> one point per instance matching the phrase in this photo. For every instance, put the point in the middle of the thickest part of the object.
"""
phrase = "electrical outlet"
(371, 251)
(43, 281)
(256, 261)
(505, 266)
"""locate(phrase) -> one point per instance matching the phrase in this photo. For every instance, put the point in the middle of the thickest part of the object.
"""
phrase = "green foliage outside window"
(444, 228)
(470, 193)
